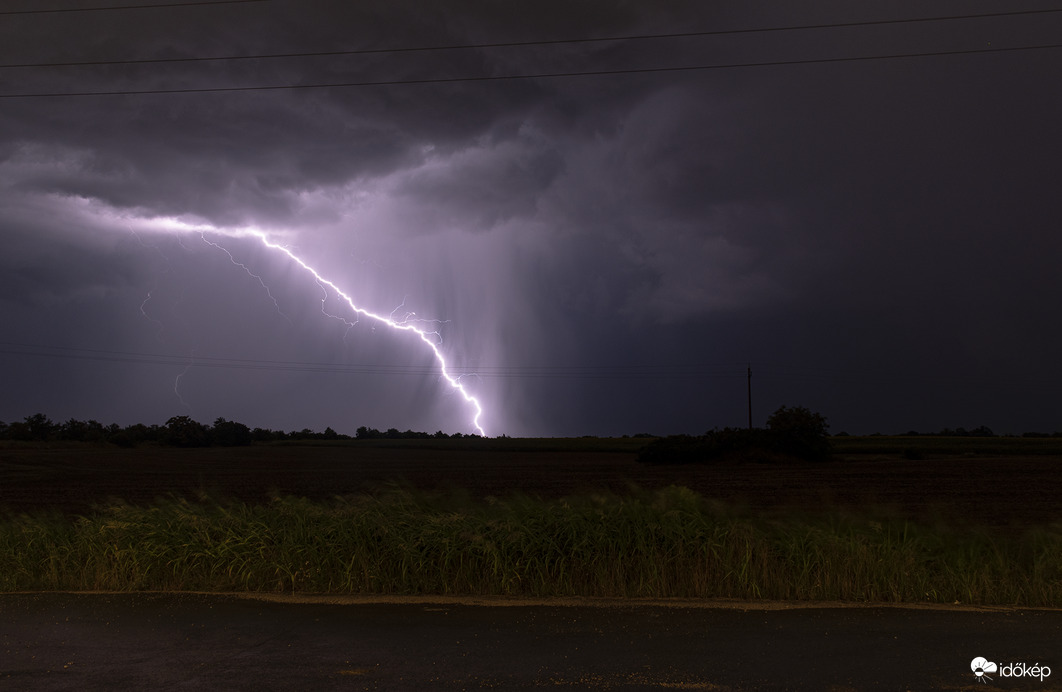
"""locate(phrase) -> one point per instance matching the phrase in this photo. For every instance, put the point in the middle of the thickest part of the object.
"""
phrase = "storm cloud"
(597, 254)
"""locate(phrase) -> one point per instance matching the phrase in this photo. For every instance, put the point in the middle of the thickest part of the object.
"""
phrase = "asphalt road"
(217, 642)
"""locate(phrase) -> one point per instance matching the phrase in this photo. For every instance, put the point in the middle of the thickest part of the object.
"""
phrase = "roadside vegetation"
(666, 543)
(395, 539)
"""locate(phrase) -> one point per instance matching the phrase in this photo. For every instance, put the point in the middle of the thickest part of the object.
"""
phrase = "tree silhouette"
(800, 432)
(182, 431)
(227, 433)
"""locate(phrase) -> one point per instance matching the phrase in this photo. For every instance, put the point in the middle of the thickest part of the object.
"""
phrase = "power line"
(643, 371)
(567, 372)
(203, 361)
(772, 372)
(513, 44)
(110, 8)
(541, 75)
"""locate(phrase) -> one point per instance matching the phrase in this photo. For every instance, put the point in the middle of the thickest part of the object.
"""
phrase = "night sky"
(592, 254)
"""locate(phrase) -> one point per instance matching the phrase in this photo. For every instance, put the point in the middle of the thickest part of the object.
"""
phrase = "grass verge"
(664, 543)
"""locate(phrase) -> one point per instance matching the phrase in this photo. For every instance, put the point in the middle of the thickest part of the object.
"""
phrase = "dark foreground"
(154, 641)
(980, 489)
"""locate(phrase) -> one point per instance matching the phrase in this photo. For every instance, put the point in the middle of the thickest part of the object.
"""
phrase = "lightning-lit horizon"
(432, 339)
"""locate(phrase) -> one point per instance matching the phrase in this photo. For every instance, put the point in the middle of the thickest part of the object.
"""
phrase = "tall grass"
(667, 543)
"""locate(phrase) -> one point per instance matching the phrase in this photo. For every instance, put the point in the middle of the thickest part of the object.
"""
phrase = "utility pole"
(750, 395)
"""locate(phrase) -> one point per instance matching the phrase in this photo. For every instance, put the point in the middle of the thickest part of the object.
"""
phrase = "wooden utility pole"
(750, 395)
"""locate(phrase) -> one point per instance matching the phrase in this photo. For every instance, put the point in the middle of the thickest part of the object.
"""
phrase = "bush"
(800, 433)
(792, 433)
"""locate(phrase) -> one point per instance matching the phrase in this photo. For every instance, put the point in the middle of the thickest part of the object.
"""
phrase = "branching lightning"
(241, 265)
(177, 386)
(147, 298)
(143, 311)
(407, 323)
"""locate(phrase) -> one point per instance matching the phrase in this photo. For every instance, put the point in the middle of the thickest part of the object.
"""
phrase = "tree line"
(183, 431)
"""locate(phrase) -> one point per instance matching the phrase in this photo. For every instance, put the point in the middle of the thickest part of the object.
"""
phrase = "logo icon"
(982, 667)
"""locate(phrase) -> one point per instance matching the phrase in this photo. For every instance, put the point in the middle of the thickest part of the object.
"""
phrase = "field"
(998, 481)
(970, 520)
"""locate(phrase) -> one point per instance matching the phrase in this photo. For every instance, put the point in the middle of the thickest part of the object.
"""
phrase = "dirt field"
(992, 489)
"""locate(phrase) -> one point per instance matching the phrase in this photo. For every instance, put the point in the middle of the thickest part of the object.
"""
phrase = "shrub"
(792, 433)
(800, 433)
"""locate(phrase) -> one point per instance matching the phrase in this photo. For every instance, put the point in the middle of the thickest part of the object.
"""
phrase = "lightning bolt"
(324, 311)
(408, 323)
(410, 316)
(250, 273)
(147, 299)
(177, 385)
(149, 318)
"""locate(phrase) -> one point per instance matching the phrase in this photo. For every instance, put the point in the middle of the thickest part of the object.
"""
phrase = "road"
(221, 642)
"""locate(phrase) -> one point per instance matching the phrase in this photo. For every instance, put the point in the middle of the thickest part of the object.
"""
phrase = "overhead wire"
(514, 44)
(567, 372)
(762, 370)
(536, 75)
(540, 75)
(110, 8)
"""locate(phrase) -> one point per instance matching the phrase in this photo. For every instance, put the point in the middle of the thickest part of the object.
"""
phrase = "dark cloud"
(877, 238)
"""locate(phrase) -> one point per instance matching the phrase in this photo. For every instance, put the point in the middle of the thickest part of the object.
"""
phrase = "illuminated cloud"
(877, 239)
